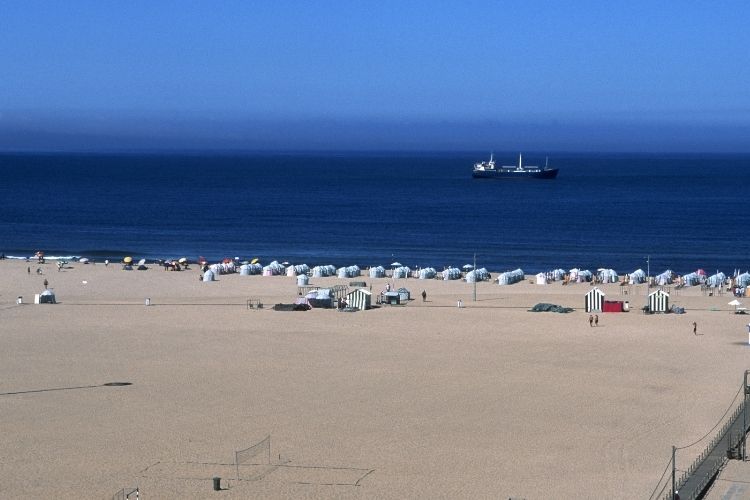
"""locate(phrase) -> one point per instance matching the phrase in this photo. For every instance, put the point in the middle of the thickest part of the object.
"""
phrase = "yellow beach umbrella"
(254, 261)
(128, 260)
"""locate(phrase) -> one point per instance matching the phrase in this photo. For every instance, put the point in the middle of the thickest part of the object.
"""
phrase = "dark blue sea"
(683, 212)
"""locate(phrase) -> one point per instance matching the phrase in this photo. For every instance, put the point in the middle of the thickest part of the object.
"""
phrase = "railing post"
(674, 471)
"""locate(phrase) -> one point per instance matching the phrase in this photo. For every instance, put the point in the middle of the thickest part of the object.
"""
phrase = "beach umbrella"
(285, 263)
(182, 260)
(701, 272)
(468, 266)
(736, 303)
(396, 264)
(128, 260)
(254, 261)
(142, 262)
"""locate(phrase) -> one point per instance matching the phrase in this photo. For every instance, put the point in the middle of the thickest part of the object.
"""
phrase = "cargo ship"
(488, 170)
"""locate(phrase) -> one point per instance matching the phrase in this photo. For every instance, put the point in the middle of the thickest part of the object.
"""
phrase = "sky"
(636, 76)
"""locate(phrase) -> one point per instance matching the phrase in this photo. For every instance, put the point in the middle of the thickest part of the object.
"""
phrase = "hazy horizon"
(539, 75)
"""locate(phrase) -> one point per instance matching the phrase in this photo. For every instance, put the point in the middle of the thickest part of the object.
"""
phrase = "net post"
(237, 466)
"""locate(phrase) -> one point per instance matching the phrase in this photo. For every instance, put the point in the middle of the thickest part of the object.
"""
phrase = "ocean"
(620, 211)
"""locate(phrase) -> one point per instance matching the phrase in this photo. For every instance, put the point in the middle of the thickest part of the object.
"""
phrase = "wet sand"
(419, 401)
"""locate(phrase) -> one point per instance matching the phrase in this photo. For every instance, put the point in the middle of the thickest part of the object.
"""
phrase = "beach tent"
(401, 272)
(584, 276)
(637, 276)
(250, 269)
(377, 272)
(403, 294)
(427, 273)
(47, 297)
(541, 279)
(743, 280)
(558, 274)
(274, 269)
(716, 280)
(321, 298)
(594, 300)
(302, 280)
(359, 298)
(348, 272)
(208, 275)
(658, 301)
(607, 276)
(691, 279)
(297, 270)
(451, 273)
(573, 273)
(392, 298)
(323, 271)
(510, 277)
(477, 275)
(664, 278)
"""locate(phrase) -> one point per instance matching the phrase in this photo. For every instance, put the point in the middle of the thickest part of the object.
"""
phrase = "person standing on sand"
(45, 283)
(591, 320)
(695, 328)
(424, 296)
(596, 320)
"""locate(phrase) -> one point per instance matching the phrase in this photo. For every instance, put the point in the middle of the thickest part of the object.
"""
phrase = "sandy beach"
(426, 400)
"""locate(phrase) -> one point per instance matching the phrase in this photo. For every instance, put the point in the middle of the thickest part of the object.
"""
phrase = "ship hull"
(550, 173)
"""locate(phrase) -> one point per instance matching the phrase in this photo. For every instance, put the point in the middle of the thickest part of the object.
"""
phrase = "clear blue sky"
(543, 75)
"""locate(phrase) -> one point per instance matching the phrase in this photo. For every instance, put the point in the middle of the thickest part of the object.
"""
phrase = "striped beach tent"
(658, 301)
(594, 300)
(359, 298)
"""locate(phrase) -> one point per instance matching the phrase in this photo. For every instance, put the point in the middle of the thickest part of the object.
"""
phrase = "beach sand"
(426, 400)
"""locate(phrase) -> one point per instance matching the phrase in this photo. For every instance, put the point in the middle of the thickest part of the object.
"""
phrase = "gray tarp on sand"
(544, 307)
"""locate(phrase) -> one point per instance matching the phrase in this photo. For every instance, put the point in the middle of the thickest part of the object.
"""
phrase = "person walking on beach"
(28, 269)
(591, 320)
(45, 283)
(424, 296)
(596, 320)
(695, 328)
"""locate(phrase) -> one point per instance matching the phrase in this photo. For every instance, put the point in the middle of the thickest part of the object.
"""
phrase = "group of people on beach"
(593, 320)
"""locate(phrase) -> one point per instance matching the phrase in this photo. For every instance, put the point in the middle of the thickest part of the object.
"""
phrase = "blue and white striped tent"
(451, 273)
(558, 274)
(427, 273)
(692, 279)
(348, 272)
(510, 277)
(607, 275)
(377, 272)
(480, 274)
(637, 276)
(323, 271)
(401, 272)
(716, 280)
(658, 301)
(297, 270)
(664, 278)
(743, 280)
(594, 300)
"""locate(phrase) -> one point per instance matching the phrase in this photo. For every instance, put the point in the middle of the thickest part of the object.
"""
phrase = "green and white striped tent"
(359, 298)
